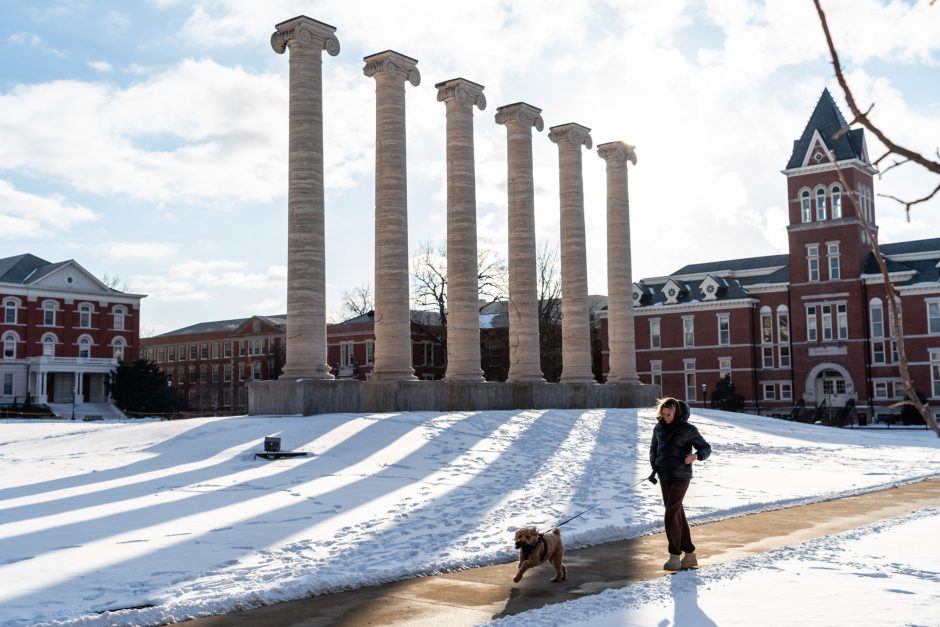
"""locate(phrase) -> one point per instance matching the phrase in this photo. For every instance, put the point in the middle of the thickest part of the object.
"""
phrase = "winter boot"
(688, 561)
(673, 564)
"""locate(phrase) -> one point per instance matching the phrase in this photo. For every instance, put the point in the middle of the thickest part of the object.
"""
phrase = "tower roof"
(827, 120)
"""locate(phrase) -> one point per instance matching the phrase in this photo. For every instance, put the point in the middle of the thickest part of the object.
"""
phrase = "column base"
(306, 372)
(621, 379)
(577, 378)
(394, 375)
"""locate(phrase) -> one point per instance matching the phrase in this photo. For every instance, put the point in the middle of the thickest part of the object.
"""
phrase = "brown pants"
(677, 527)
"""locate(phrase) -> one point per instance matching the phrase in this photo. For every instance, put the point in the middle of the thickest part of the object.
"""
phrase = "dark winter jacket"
(672, 444)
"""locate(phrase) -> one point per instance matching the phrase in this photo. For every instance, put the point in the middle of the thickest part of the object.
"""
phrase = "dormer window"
(710, 288)
(673, 291)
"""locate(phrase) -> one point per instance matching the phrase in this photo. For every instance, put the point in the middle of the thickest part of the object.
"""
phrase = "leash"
(651, 479)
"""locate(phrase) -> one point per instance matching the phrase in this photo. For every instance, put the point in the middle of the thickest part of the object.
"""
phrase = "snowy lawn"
(177, 519)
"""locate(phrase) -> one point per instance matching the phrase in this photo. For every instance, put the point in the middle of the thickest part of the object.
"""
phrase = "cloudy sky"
(148, 140)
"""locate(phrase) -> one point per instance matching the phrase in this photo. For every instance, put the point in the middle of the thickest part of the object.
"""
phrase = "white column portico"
(622, 337)
(575, 323)
(306, 269)
(463, 319)
(392, 295)
(524, 359)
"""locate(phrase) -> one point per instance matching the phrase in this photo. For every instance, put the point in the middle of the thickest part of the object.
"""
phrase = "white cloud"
(27, 215)
(145, 250)
(100, 66)
(25, 39)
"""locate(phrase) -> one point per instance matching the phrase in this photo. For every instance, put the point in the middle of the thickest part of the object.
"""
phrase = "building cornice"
(652, 310)
(828, 224)
(765, 288)
(896, 277)
(33, 293)
(858, 164)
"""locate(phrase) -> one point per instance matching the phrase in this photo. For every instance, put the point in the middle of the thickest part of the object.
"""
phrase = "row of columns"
(306, 322)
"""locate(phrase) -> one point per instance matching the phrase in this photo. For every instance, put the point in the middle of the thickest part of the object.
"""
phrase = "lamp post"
(704, 393)
(74, 394)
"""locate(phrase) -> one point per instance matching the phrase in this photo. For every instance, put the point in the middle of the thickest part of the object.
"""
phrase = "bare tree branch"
(358, 301)
(908, 204)
(862, 117)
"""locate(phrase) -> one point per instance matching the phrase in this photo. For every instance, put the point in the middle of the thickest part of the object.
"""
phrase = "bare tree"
(429, 281)
(358, 301)
(114, 282)
(906, 156)
(549, 295)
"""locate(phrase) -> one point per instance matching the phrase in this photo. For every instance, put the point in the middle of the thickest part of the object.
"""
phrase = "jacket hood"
(682, 415)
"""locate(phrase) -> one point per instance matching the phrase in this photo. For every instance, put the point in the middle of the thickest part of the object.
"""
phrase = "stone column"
(306, 268)
(524, 362)
(392, 295)
(575, 318)
(622, 338)
(463, 312)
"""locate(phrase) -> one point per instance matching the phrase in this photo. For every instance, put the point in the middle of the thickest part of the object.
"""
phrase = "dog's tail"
(555, 531)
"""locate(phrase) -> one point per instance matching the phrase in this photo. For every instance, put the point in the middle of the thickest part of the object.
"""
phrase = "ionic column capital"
(463, 91)
(617, 151)
(394, 65)
(304, 35)
(572, 133)
(522, 113)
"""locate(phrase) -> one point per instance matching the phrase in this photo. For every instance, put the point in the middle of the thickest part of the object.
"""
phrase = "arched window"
(836, 202)
(84, 316)
(820, 204)
(9, 311)
(48, 345)
(806, 210)
(9, 346)
(84, 347)
(119, 318)
(48, 313)
(118, 347)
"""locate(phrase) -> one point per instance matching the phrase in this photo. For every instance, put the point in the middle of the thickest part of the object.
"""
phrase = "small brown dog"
(536, 548)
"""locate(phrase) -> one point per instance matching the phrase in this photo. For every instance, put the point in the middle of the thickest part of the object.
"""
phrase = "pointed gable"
(825, 121)
(711, 287)
(673, 290)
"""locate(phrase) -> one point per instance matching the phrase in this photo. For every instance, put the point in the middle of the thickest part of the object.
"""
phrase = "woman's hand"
(691, 457)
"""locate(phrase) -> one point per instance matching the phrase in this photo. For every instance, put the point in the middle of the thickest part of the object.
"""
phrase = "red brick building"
(62, 331)
(811, 326)
(211, 364)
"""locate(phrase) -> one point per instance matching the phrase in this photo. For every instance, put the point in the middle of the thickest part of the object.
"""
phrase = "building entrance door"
(831, 389)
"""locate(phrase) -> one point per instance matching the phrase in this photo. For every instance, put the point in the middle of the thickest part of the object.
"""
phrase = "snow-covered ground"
(177, 519)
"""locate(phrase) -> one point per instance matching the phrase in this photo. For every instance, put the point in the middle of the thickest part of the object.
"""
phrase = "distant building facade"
(210, 364)
(62, 332)
(809, 327)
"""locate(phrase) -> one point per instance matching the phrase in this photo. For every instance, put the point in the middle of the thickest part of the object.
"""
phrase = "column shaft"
(575, 323)
(463, 317)
(306, 268)
(621, 334)
(393, 348)
(524, 358)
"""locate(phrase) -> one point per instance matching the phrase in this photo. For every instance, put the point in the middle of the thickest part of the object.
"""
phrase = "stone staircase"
(87, 411)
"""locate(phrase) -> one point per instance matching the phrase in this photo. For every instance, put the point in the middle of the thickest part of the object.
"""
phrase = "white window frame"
(10, 340)
(933, 317)
(84, 347)
(84, 316)
(769, 391)
(935, 372)
(820, 204)
(49, 340)
(836, 196)
(724, 367)
(880, 390)
(812, 329)
(691, 389)
(786, 392)
(835, 268)
(119, 314)
(766, 326)
(370, 352)
(842, 321)
(656, 372)
(768, 356)
(806, 208)
(49, 309)
(118, 346)
(724, 329)
(688, 331)
(11, 308)
(812, 263)
(827, 333)
(656, 338)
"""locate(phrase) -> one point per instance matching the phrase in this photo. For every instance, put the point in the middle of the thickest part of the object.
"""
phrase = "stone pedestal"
(306, 269)
(463, 318)
(575, 323)
(392, 294)
(622, 338)
(524, 363)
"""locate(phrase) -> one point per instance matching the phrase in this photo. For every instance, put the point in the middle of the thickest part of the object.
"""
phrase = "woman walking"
(671, 456)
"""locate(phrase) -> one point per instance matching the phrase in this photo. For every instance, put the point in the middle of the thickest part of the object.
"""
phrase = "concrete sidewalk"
(478, 595)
